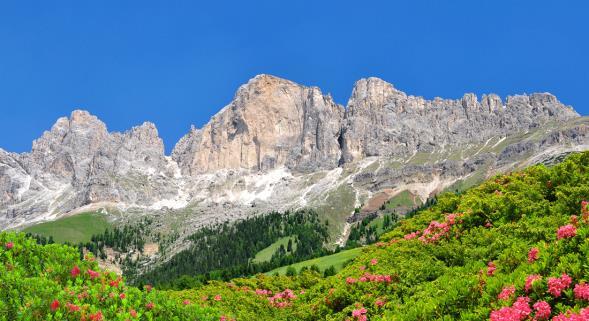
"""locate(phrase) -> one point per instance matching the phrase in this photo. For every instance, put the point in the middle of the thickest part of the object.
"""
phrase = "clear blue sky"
(176, 63)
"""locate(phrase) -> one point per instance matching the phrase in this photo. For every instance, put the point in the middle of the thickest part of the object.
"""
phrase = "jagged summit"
(275, 124)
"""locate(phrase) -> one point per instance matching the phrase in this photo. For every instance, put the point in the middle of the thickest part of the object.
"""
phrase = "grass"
(266, 254)
(337, 260)
(73, 229)
(338, 206)
(404, 198)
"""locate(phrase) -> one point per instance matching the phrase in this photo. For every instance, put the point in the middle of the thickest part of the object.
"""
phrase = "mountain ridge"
(279, 145)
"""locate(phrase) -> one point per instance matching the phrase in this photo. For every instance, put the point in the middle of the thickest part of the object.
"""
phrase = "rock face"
(79, 162)
(270, 123)
(383, 121)
(282, 145)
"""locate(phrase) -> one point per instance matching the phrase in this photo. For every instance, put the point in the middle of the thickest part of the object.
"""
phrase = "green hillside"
(466, 258)
(73, 229)
(336, 260)
(513, 248)
(266, 254)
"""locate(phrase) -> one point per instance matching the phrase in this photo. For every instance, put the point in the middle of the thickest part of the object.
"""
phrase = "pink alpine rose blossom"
(530, 281)
(565, 232)
(491, 268)
(581, 291)
(506, 293)
(542, 310)
(533, 255)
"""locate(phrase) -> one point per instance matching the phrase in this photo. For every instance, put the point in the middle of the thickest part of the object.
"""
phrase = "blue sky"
(176, 63)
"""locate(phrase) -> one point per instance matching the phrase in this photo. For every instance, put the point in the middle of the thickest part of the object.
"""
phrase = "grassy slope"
(337, 260)
(266, 254)
(73, 229)
(37, 283)
(499, 221)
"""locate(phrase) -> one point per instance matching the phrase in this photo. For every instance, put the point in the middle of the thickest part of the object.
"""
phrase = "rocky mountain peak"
(270, 123)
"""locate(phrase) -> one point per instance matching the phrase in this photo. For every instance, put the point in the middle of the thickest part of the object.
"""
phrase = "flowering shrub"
(582, 291)
(557, 285)
(533, 255)
(47, 283)
(567, 231)
(494, 257)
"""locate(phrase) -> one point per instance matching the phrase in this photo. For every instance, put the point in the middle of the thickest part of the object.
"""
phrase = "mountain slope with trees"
(513, 248)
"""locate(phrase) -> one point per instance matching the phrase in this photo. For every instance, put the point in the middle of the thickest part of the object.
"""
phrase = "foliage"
(513, 248)
(71, 229)
(227, 250)
(51, 282)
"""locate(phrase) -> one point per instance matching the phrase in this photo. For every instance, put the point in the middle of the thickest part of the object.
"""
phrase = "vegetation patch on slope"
(72, 229)
(513, 248)
(266, 254)
(337, 261)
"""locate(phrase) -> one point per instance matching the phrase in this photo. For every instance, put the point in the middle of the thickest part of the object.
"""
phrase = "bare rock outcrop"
(270, 123)
(383, 121)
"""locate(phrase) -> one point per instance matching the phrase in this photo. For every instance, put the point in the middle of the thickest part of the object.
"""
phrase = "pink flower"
(115, 283)
(133, 313)
(96, 316)
(150, 306)
(54, 305)
(542, 310)
(506, 293)
(530, 281)
(411, 236)
(533, 255)
(93, 274)
(350, 280)
(122, 296)
(518, 312)
(567, 231)
(359, 312)
(557, 285)
(217, 297)
(148, 288)
(9, 245)
(362, 268)
(186, 302)
(72, 307)
(379, 303)
(75, 271)
(373, 262)
(491, 268)
(582, 291)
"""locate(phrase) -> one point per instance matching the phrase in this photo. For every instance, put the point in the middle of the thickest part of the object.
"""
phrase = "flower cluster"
(434, 231)
(491, 268)
(581, 291)
(520, 310)
(530, 281)
(583, 315)
(368, 277)
(533, 255)
(542, 310)
(506, 293)
(263, 292)
(412, 235)
(282, 299)
(567, 231)
(557, 285)
(360, 314)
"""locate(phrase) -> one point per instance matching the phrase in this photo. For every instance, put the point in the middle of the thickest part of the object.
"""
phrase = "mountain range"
(279, 145)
